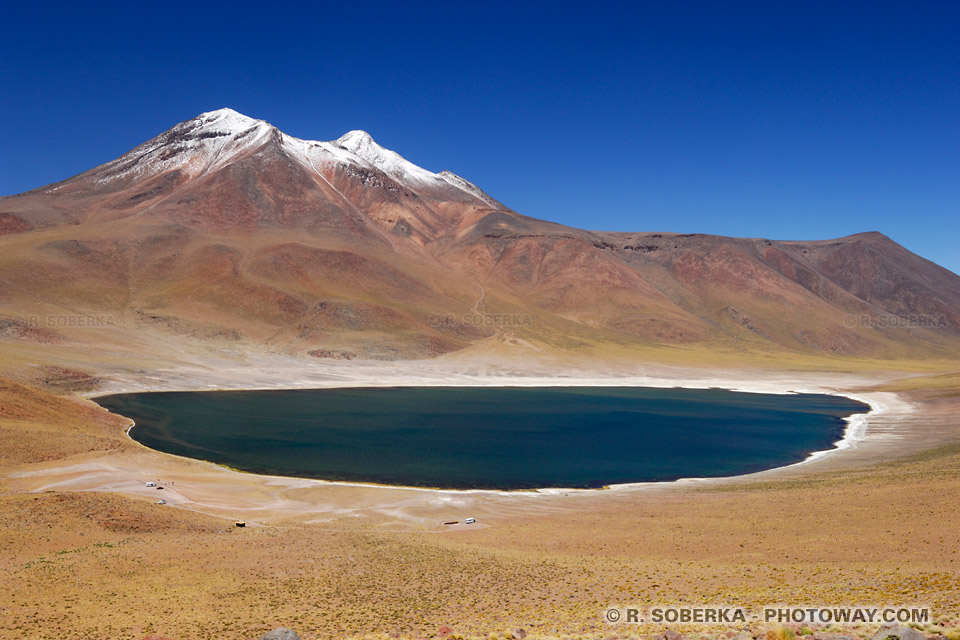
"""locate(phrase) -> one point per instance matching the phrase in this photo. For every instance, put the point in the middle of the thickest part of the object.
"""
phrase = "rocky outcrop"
(898, 633)
(281, 633)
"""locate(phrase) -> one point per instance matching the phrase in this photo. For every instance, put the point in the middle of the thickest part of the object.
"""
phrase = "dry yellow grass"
(98, 565)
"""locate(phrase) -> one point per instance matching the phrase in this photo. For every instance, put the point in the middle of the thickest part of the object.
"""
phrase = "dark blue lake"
(489, 437)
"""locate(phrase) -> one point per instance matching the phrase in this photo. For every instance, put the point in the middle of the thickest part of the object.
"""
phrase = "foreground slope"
(109, 562)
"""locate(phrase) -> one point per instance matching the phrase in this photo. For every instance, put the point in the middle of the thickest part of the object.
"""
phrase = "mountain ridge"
(223, 230)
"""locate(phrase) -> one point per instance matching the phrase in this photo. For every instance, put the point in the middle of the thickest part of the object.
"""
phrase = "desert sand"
(872, 520)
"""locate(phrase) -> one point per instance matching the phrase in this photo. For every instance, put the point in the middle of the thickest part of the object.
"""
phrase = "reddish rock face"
(225, 230)
(10, 223)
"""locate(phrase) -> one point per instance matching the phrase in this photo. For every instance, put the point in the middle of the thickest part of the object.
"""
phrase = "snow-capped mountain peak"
(390, 162)
(228, 120)
(193, 147)
(361, 144)
(356, 139)
(214, 139)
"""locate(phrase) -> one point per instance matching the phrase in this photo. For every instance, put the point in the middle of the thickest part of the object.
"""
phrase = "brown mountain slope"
(225, 233)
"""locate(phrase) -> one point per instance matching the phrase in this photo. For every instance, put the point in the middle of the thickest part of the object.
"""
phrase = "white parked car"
(469, 521)
(151, 484)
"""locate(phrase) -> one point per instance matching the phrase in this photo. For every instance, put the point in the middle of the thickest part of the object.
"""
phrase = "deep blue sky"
(789, 120)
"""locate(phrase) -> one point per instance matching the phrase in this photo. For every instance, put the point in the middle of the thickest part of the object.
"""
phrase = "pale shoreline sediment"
(890, 428)
(854, 431)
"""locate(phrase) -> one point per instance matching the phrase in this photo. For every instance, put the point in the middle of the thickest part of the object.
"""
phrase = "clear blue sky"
(788, 120)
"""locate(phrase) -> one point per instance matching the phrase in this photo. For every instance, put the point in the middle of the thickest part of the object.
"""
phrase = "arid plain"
(240, 266)
(92, 554)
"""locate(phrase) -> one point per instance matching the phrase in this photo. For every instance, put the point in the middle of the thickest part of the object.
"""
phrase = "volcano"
(225, 233)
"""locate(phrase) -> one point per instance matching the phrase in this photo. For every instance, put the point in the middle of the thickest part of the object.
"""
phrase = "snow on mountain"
(228, 120)
(215, 138)
(391, 163)
(359, 148)
(468, 187)
(195, 146)
(315, 154)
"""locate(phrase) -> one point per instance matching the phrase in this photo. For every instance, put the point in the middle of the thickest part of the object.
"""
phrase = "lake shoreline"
(852, 432)
(892, 429)
(895, 426)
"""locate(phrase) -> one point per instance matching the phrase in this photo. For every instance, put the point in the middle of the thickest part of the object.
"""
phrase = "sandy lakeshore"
(894, 427)
(871, 520)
